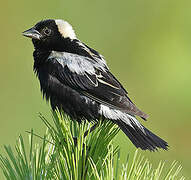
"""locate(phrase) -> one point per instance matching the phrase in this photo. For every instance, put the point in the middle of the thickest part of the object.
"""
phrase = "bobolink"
(76, 79)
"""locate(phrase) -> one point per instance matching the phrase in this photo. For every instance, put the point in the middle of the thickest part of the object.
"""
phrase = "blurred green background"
(146, 44)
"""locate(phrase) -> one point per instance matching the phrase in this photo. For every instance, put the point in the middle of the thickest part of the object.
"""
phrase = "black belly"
(69, 100)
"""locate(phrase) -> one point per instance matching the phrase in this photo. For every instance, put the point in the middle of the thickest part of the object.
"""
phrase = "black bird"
(76, 79)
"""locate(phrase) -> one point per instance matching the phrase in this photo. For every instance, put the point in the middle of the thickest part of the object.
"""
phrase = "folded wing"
(91, 77)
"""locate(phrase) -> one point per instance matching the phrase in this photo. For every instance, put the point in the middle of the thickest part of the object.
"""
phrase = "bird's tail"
(140, 136)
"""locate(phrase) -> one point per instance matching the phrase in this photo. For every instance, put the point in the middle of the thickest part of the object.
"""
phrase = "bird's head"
(51, 34)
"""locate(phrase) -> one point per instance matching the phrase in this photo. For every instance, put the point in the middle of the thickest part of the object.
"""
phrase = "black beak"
(32, 33)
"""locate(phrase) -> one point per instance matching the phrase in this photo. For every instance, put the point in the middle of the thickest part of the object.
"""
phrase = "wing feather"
(92, 78)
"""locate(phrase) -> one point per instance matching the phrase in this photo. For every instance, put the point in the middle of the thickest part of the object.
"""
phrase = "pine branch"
(66, 154)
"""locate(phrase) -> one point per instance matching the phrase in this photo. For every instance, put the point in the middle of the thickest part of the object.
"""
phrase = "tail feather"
(142, 138)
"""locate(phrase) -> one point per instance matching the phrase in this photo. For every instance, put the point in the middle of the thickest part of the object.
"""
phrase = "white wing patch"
(78, 64)
(115, 114)
(65, 29)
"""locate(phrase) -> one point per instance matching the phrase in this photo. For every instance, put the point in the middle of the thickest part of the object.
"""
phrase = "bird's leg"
(86, 133)
(90, 130)
(75, 141)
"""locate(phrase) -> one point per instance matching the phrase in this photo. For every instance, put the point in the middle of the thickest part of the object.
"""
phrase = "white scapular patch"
(115, 114)
(65, 29)
(78, 64)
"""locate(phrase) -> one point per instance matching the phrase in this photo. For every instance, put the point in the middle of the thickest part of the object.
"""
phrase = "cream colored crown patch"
(65, 29)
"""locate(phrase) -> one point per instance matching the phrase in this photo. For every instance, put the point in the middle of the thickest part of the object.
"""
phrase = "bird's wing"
(91, 77)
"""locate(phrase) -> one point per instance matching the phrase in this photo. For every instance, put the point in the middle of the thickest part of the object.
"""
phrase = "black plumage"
(76, 79)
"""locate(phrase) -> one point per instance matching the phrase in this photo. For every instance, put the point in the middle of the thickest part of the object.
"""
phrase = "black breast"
(60, 95)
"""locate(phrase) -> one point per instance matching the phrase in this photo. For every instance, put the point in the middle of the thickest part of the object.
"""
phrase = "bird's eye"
(47, 31)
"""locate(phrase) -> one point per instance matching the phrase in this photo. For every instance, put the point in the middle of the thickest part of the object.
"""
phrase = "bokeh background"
(146, 44)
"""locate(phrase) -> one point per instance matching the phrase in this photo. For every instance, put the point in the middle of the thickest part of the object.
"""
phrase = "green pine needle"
(65, 154)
